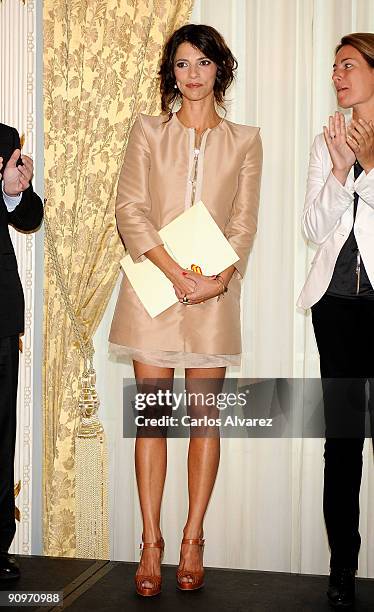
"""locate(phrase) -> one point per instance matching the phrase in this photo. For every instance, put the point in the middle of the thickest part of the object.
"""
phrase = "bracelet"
(219, 278)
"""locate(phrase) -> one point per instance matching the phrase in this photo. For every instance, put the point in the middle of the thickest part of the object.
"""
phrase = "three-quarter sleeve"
(133, 204)
(242, 226)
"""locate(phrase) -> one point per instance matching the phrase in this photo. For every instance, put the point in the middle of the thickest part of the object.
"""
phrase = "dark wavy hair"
(362, 42)
(212, 45)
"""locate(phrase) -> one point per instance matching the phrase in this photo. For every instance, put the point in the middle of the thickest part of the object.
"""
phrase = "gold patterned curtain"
(100, 70)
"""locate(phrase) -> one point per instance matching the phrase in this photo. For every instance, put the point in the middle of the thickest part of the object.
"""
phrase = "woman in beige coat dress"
(172, 161)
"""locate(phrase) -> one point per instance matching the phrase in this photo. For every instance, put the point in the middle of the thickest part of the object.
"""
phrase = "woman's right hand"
(172, 270)
(341, 154)
(182, 284)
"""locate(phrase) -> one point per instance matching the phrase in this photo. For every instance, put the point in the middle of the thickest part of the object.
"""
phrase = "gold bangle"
(219, 278)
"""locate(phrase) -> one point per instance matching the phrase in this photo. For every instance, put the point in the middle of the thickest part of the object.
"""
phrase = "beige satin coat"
(155, 187)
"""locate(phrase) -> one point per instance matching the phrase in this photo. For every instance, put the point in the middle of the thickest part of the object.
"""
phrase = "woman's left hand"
(360, 137)
(206, 288)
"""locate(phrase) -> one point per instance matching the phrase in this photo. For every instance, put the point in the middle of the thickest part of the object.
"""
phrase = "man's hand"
(17, 178)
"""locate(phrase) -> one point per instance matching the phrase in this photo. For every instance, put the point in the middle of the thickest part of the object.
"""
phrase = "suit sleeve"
(242, 226)
(28, 215)
(133, 204)
(326, 200)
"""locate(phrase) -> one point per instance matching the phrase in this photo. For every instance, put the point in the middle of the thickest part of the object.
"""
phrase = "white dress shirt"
(11, 202)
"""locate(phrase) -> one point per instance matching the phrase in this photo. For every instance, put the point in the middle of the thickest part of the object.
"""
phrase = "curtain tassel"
(91, 473)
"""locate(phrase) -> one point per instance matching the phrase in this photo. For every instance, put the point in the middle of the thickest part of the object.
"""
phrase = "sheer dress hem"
(174, 359)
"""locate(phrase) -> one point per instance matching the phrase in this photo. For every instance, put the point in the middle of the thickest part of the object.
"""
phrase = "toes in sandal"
(193, 580)
(155, 581)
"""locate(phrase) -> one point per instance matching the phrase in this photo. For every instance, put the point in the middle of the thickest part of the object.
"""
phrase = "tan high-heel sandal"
(197, 578)
(155, 589)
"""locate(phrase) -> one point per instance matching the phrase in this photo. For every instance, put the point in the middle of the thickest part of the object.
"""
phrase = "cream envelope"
(193, 238)
(154, 290)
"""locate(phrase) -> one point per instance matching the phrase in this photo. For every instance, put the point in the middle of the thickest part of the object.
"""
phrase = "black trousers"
(344, 330)
(8, 407)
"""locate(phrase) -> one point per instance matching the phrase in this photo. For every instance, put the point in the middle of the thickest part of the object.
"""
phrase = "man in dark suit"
(22, 208)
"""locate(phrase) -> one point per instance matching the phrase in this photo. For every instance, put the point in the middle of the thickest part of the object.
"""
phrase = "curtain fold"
(100, 70)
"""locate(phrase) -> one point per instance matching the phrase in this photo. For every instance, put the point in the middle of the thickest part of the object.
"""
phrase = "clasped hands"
(16, 179)
(346, 144)
(193, 288)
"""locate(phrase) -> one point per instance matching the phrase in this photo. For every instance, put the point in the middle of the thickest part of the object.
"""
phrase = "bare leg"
(150, 465)
(203, 461)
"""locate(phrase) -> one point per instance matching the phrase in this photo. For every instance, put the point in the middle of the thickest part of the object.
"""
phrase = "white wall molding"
(17, 108)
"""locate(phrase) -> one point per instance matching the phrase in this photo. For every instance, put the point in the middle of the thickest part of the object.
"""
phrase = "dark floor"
(109, 586)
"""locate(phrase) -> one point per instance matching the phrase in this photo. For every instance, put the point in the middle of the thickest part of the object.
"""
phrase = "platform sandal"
(155, 581)
(195, 580)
